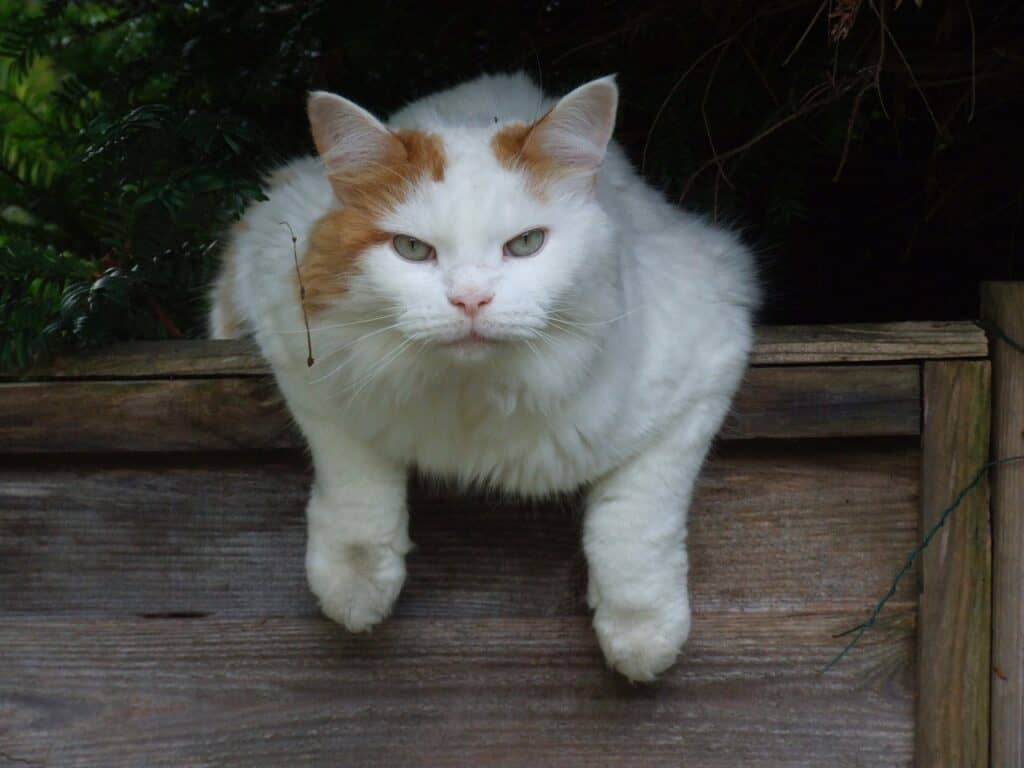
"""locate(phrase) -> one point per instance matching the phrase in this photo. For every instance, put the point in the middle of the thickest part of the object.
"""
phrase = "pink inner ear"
(577, 131)
(348, 137)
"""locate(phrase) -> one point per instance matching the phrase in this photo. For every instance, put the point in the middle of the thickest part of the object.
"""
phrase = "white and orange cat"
(495, 296)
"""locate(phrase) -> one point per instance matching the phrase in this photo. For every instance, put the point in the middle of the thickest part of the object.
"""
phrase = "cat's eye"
(525, 244)
(412, 249)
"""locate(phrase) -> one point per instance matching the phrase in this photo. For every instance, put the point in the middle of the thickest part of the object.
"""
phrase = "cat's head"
(472, 241)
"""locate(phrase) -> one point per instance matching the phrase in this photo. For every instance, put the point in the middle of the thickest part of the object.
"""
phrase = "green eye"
(412, 249)
(526, 244)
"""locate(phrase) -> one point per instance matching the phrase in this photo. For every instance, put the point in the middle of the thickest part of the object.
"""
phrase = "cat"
(494, 295)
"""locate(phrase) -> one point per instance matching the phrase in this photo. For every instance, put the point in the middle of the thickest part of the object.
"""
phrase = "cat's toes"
(642, 643)
(356, 584)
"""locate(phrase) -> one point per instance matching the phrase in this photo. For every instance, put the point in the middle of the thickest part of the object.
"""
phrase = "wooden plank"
(244, 413)
(493, 692)
(775, 527)
(152, 360)
(955, 602)
(119, 416)
(789, 344)
(827, 401)
(1003, 304)
(775, 345)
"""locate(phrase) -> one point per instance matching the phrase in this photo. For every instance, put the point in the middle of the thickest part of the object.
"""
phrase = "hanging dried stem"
(302, 294)
(842, 18)
(707, 123)
(807, 31)
(910, 70)
(854, 111)
(810, 103)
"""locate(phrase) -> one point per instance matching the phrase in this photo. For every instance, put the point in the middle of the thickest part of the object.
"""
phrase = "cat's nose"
(470, 303)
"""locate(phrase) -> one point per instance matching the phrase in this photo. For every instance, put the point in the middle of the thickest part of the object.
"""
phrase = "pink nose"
(471, 303)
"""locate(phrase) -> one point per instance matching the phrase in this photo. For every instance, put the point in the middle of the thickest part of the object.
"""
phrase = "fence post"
(1002, 306)
(954, 615)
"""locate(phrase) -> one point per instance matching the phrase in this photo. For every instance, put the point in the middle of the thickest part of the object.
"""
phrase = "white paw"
(356, 583)
(641, 643)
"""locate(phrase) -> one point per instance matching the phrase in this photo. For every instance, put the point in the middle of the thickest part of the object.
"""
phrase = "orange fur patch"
(514, 151)
(340, 236)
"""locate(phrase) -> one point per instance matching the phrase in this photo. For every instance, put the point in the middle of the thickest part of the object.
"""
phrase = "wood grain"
(480, 692)
(827, 401)
(120, 416)
(955, 638)
(245, 413)
(1003, 304)
(153, 606)
(868, 342)
(775, 345)
(194, 358)
(775, 527)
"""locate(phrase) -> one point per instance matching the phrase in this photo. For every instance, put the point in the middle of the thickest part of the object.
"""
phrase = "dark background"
(870, 151)
(923, 209)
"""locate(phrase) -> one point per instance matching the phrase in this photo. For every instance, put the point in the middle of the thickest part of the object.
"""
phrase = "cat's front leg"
(357, 529)
(635, 542)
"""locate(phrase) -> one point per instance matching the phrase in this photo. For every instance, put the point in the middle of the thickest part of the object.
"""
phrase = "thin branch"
(704, 114)
(759, 72)
(810, 106)
(807, 31)
(881, 62)
(674, 88)
(849, 130)
(910, 70)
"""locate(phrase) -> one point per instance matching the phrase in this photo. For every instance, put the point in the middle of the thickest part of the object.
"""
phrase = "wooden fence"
(153, 609)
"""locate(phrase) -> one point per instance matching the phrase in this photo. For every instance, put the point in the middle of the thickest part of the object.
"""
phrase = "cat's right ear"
(349, 139)
(576, 132)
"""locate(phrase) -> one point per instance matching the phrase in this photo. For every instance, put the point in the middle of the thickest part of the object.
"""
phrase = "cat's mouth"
(471, 340)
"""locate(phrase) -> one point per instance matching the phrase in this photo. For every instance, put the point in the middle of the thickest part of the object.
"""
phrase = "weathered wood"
(244, 413)
(200, 358)
(827, 401)
(439, 693)
(116, 416)
(787, 344)
(775, 345)
(955, 602)
(775, 527)
(1003, 305)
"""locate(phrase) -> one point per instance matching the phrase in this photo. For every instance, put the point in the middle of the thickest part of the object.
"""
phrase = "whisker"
(378, 369)
(352, 343)
(568, 330)
(599, 323)
(338, 325)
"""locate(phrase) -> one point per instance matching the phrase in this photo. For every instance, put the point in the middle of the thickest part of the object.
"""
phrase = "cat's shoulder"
(303, 177)
(297, 192)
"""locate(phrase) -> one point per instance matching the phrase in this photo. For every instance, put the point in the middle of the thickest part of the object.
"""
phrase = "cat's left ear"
(576, 132)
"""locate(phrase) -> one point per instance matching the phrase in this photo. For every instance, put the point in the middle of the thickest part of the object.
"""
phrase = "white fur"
(620, 346)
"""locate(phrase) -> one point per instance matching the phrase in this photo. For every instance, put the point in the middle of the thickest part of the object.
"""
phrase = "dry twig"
(707, 123)
(302, 294)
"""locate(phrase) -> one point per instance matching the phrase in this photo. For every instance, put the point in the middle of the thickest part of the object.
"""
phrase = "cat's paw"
(641, 643)
(357, 584)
